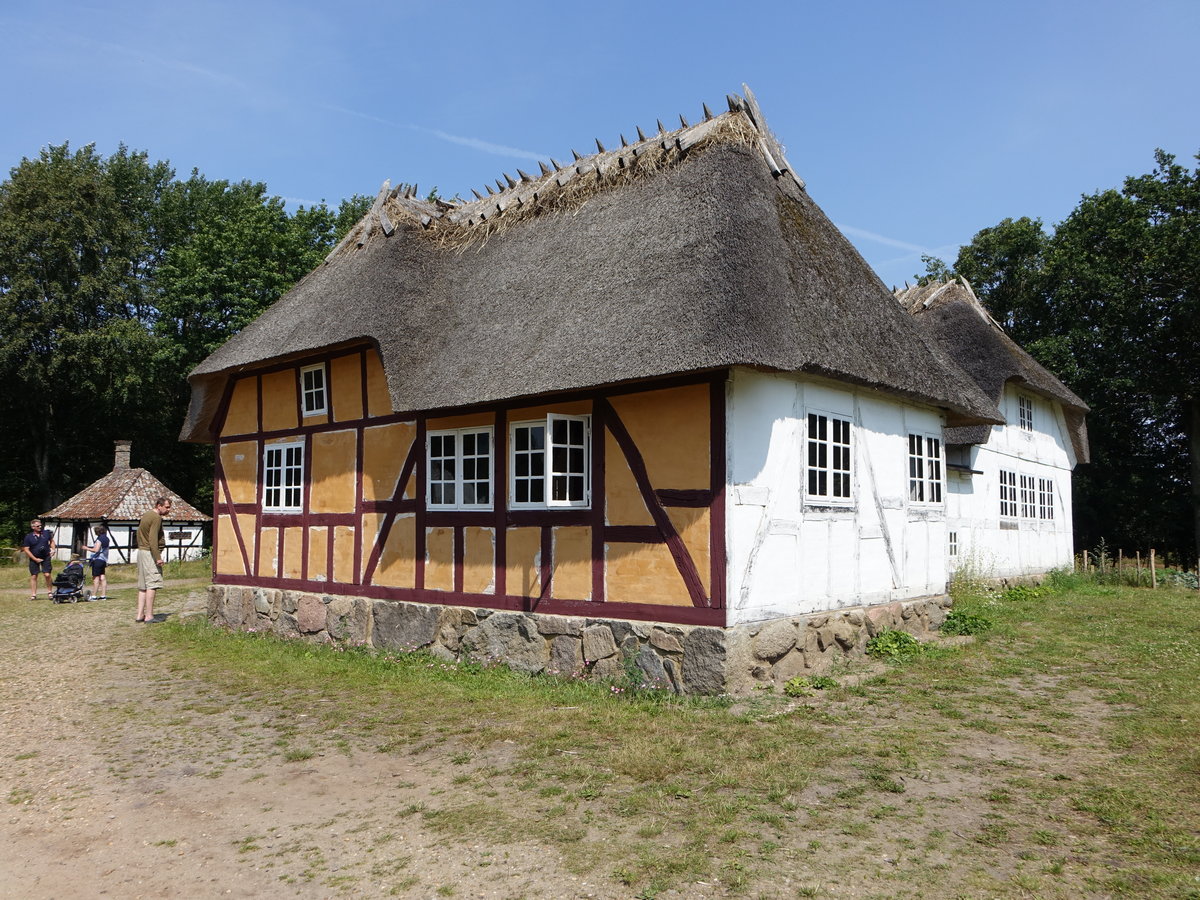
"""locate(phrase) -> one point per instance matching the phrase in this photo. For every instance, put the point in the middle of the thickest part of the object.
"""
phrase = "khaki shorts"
(149, 574)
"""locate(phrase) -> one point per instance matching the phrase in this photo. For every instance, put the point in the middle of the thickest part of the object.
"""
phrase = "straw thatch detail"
(953, 316)
(688, 251)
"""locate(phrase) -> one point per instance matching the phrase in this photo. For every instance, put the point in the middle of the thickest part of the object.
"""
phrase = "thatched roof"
(123, 495)
(685, 251)
(952, 314)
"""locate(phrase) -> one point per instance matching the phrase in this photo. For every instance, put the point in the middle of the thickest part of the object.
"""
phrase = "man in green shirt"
(150, 557)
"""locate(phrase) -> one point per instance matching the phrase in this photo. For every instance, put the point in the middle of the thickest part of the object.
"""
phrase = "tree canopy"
(1110, 302)
(116, 278)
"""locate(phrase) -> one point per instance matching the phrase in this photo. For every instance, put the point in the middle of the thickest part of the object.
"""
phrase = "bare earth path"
(122, 777)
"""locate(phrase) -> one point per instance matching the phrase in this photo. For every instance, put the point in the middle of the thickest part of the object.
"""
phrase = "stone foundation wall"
(681, 658)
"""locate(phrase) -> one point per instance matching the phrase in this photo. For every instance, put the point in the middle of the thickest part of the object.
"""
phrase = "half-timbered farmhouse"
(644, 411)
(118, 501)
(1008, 497)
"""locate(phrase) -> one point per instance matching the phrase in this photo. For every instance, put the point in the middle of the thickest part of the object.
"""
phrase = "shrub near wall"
(682, 659)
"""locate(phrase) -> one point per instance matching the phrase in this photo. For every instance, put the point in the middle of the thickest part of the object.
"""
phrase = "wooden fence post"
(1139, 567)
(1153, 574)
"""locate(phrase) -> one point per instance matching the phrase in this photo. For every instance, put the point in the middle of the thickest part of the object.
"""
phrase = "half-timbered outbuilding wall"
(1009, 505)
(377, 510)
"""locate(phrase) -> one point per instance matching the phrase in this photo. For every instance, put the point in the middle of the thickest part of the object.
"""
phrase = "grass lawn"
(1056, 755)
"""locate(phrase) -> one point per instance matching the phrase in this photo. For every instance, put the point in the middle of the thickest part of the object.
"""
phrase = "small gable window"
(460, 468)
(550, 460)
(1025, 412)
(828, 458)
(312, 390)
(924, 468)
(283, 477)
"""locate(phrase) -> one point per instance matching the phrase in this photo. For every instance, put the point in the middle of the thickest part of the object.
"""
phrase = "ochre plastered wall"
(669, 427)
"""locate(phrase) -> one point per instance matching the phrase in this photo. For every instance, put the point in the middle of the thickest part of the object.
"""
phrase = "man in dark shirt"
(39, 547)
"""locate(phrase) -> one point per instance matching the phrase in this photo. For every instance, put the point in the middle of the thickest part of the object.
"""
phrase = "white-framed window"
(1025, 412)
(312, 390)
(283, 477)
(954, 543)
(459, 468)
(1008, 494)
(551, 462)
(924, 468)
(1028, 497)
(828, 468)
(1046, 499)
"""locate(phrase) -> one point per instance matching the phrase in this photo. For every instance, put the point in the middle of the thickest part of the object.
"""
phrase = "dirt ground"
(122, 778)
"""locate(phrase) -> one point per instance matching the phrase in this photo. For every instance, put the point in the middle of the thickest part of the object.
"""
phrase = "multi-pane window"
(1046, 498)
(550, 459)
(460, 469)
(283, 477)
(954, 543)
(1025, 412)
(924, 469)
(1028, 497)
(1008, 494)
(312, 390)
(828, 468)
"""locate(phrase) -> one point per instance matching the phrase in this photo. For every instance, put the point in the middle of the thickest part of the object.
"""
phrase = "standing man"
(39, 547)
(149, 558)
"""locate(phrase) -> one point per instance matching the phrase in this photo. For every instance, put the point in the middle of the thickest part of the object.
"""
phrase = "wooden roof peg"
(641, 134)
(624, 143)
(489, 189)
(525, 176)
(683, 121)
(500, 184)
(546, 170)
(478, 196)
(661, 128)
(707, 112)
(576, 155)
(734, 103)
(512, 182)
(554, 162)
(600, 146)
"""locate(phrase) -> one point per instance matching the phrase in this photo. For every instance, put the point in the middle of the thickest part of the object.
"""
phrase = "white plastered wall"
(787, 557)
(183, 540)
(998, 547)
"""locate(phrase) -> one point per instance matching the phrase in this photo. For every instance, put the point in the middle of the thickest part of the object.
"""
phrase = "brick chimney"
(122, 458)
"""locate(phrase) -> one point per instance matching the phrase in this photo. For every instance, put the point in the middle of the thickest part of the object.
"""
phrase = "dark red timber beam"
(637, 465)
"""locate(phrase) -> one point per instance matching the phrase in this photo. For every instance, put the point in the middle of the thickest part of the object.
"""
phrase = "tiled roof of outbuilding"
(124, 495)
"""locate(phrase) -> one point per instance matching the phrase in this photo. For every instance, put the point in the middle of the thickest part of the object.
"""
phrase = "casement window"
(1028, 497)
(1008, 494)
(828, 469)
(550, 462)
(312, 390)
(954, 543)
(283, 477)
(1025, 412)
(1046, 499)
(924, 469)
(460, 468)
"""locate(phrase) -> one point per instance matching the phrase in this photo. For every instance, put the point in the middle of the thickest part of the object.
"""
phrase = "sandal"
(33, 597)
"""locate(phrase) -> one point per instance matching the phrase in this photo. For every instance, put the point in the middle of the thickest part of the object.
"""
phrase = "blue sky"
(914, 124)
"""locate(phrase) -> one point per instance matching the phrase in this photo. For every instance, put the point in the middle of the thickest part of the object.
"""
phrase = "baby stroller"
(68, 585)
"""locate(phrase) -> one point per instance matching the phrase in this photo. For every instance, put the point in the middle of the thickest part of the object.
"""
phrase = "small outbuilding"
(118, 500)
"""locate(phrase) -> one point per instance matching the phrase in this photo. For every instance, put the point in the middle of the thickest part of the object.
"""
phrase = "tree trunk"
(1194, 454)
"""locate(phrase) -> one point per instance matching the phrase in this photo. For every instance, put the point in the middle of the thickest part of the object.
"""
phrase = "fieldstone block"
(704, 661)
(608, 668)
(290, 602)
(263, 600)
(775, 639)
(651, 666)
(511, 639)
(739, 664)
(673, 675)
(621, 630)
(555, 625)
(286, 626)
(349, 619)
(937, 616)
(598, 642)
(818, 621)
(789, 667)
(566, 655)
(216, 600)
(310, 613)
(855, 617)
(662, 640)
(405, 626)
(845, 635)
